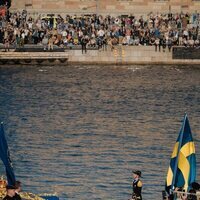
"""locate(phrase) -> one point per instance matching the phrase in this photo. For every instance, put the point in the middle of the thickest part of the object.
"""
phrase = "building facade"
(106, 7)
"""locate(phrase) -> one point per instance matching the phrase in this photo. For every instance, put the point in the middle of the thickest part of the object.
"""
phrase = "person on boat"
(137, 185)
(10, 192)
(192, 195)
(180, 193)
(17, 190)
(194, 191)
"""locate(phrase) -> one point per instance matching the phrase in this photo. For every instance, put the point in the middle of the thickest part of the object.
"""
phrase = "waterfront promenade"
(108, 39)
(121, 55)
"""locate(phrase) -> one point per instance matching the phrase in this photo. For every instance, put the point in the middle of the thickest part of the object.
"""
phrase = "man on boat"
(10, 192)
(137, 185)
(17, 190)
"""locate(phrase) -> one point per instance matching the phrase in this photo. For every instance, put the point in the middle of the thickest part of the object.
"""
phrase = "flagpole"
(179, 147)
(5, 157)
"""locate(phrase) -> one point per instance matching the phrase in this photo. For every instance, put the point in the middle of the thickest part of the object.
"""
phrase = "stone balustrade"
(114, 7)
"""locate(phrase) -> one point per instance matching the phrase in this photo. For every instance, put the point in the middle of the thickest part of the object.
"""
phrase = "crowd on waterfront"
(161, 30)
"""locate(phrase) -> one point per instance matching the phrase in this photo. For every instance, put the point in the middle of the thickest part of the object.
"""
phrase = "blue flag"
(182, 168)
(5, 157)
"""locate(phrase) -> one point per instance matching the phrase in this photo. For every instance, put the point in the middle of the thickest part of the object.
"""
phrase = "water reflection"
(80, 130)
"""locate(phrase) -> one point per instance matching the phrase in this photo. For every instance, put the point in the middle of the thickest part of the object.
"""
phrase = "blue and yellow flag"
(182, 168)
(5, 157)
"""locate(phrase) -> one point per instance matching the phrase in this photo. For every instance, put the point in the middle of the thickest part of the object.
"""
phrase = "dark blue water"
(80, 131)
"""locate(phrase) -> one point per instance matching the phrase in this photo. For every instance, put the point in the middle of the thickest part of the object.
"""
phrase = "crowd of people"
(159, 30)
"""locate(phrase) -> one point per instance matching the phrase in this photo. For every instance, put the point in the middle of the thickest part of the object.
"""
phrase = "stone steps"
(32, 55)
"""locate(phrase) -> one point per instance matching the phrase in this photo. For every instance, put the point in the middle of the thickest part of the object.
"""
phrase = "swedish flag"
(182, 168)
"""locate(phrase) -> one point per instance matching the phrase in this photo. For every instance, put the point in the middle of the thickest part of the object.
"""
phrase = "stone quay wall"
(128, 55)
(104, 7)
(121, 55)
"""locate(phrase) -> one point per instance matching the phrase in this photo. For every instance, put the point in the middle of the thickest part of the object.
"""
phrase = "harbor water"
(79, 131)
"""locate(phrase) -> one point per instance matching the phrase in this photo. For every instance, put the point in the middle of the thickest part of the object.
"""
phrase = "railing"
(180, 195)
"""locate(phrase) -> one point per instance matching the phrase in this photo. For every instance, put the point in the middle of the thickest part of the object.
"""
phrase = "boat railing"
(181, 195)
